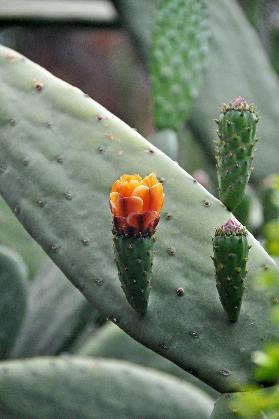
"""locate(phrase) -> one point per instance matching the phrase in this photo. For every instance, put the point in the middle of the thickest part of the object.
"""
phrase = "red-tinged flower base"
(143, 224)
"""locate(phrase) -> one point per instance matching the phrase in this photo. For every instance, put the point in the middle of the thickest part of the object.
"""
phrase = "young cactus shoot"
(135, 204)
(235, 150)
(230, 249)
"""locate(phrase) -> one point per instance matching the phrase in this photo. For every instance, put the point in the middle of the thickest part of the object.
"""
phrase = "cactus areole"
(235, 149)
(230, 248)
(135, 204)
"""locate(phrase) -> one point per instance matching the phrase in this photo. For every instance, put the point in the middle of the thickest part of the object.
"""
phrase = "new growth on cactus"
(135, 204)
(230, 248)
(235, 149)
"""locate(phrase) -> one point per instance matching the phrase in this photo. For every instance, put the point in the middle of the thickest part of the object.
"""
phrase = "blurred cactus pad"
(60, 153)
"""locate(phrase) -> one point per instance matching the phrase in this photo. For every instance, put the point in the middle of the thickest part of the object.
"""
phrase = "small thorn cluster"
(231, 227)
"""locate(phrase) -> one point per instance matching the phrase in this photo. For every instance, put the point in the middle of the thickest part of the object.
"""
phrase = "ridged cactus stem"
(235, 150)
(134, 256)
(230, 248)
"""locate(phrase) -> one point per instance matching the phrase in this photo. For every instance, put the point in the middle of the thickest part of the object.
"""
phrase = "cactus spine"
(230, 248)
(235, 150)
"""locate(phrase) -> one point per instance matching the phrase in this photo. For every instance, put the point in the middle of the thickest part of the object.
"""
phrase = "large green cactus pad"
(13, 298)
(179, 47)
(74, 150)
(111, 342)
(57, 314)
(13, 235)
(74, 388)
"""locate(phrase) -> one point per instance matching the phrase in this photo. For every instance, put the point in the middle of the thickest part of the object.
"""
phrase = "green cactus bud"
(230, 247)
(133, 256)
(235, 150)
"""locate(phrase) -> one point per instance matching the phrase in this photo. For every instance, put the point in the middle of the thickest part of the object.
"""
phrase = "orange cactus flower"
(136, 203)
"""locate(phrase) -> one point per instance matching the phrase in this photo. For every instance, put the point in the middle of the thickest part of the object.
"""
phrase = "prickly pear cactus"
(13, 235)
(137, 17)
(13, 298)
(75, 149)
(179, 47)
(167, 141)
(231, 249)
(56, 316)
(235, 150)
(111, 342)
(95, 389)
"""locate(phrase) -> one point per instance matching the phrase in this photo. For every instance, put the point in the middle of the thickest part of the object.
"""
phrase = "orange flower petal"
(128, 178)
(143, 192)
(156, 197)
(126, 188)
(131, 204)
(115, 203)
(115, 186)
(150, 180)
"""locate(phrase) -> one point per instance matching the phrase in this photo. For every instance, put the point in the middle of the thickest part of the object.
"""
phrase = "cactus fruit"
(230, 247)
(135, 204)
(235, 150)
(178, 52)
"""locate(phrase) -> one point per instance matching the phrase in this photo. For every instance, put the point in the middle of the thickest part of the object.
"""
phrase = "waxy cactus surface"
(13, 298)
(231, 249)
(57, 314)
(178, 52)
(235, 150)
(76, 149)
(95, 389)
(111, 342)
(13, 235)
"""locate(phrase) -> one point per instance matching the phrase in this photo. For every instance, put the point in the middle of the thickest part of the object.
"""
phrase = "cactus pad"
(95, 389)
(75, 149)
(13, 298)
